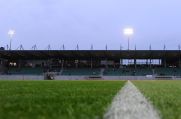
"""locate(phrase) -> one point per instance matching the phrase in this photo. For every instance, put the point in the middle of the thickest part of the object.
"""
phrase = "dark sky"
(86, 22)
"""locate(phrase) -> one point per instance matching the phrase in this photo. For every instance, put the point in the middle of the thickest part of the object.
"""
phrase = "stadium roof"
(88, 54)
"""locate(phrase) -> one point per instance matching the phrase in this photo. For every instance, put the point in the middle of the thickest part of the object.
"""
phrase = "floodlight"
(128, 31)
(11, 33)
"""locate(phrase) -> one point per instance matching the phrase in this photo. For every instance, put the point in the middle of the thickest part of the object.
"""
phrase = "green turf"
(56, 99)
(165, 96)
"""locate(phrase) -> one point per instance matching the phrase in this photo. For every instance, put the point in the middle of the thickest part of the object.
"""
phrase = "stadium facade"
(91, 63)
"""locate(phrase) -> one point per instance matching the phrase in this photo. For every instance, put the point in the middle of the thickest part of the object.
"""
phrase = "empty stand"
(81, 71)
(26, 71)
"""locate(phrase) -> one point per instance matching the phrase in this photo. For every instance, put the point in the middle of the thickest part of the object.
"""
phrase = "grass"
(165, 96)
(56, 99)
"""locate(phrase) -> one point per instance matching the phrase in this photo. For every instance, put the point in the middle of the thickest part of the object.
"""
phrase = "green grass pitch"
(56, 99)
(80, 99)
(165, 96)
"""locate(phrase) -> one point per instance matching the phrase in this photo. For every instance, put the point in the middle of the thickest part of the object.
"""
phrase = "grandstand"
(82, 71)
(91, 62)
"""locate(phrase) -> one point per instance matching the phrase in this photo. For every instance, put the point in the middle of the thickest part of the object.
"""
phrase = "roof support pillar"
(121, 63)
(62, 64)
(91, 64)
(135, 65)
(179, 63)
(150, 63)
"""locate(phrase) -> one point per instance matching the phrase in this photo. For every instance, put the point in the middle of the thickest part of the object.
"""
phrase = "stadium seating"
(143, 72)
(26, 71)
(168, 71)
(106, 71)
(81, 71)
(117, 72)
(127, 72)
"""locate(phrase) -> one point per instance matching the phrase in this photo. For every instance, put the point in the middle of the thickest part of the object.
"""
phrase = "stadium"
(96, 72)
(90, 59)
(91, 64)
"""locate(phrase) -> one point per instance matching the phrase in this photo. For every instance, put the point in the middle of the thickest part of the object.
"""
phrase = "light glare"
(128, 31)
(11, 33)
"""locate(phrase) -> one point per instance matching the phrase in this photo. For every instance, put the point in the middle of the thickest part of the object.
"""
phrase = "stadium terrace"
(91, 63)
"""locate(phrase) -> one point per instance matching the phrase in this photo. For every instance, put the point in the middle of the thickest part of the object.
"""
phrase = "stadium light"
(11, 33)
(128, 32)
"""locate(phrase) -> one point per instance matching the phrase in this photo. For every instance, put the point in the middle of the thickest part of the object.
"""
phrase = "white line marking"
(129, 103)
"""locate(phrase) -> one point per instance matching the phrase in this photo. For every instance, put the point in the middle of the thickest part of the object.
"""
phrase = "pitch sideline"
(130, 103)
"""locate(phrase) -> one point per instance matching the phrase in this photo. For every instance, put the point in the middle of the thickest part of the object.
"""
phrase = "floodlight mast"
(11, 33)
(128, 32)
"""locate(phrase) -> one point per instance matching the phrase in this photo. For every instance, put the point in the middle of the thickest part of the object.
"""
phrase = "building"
(91, 62)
